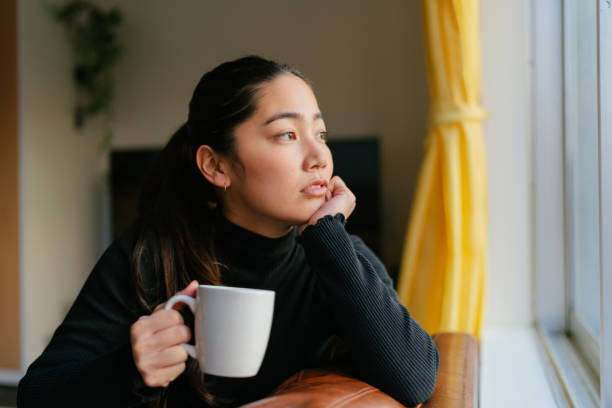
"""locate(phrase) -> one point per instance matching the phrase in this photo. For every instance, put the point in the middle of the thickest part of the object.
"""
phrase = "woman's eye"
(322, 135)
(287, 136)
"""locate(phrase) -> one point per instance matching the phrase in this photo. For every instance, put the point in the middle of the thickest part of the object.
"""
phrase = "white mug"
(232, 328)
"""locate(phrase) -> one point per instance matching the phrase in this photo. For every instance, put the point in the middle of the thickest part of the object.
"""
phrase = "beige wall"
(58, 179)
(9, 234)
(364, 57)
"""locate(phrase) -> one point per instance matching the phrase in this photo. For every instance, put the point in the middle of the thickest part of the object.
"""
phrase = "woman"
(242, 195)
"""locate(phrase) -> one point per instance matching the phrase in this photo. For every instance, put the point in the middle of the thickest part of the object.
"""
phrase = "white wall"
(58, 180)
(506, 94)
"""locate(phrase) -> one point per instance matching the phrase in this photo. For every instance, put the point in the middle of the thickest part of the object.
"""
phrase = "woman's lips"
(315, 190)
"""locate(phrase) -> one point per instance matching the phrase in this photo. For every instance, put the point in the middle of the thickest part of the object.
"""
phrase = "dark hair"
(175, 242)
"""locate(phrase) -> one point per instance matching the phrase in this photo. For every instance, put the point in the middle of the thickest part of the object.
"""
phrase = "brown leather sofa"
(456, 386)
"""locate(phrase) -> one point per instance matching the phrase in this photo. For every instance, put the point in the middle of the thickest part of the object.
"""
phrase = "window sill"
(578, 382)
(515, 369)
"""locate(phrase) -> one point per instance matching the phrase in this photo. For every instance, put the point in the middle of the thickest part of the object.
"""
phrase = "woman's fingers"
(340, 188)
(190, 290)
(337, 186)
(160, 359)
(156, 343)
(172, 356)
(170, 373)
(163, 376)
(170, 336)
(339, 199)
(159, 320)
(158, 362)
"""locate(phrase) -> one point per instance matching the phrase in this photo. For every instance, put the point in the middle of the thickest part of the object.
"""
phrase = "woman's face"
(285, 163)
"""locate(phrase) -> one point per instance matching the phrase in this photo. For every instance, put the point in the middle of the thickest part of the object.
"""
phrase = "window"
(572, 105)
(581, 175)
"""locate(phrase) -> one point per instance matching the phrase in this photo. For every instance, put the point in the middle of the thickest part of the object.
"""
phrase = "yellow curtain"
(442, 272)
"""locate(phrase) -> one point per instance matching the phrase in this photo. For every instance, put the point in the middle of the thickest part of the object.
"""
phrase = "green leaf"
(92, 34)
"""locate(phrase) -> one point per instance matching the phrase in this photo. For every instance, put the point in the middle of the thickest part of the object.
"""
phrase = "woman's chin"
(302, 218)
(304, 212)
(300, 221)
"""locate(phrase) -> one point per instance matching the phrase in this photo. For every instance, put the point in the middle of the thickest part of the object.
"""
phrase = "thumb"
(190, 290)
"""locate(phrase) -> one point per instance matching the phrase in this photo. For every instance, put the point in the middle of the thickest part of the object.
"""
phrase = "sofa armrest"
(456, 386)
(457, 383)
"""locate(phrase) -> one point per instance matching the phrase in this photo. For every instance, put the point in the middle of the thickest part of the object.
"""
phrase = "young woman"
(242, 195)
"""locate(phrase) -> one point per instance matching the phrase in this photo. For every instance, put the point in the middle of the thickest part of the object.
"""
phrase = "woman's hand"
(339, 199)
(156, 343)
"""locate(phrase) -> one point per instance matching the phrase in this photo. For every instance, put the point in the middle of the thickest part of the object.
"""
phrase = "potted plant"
(92, 33)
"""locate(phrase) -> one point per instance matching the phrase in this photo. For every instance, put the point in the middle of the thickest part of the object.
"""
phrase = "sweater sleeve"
(387, 347)
(88, 361)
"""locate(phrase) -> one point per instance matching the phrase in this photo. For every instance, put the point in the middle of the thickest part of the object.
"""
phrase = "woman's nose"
(316, 156)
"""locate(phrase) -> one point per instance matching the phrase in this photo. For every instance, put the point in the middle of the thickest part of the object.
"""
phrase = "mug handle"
(191, 302)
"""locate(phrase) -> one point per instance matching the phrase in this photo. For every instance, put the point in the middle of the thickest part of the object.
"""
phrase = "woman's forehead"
(286, 93)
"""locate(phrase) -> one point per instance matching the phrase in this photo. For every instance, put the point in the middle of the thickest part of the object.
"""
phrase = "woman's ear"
(211, 166)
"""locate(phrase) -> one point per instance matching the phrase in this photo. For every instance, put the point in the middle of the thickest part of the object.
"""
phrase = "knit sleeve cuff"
(328, 220)
(324, 225)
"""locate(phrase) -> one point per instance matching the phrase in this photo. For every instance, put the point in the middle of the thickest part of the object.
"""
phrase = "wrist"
(327, 218)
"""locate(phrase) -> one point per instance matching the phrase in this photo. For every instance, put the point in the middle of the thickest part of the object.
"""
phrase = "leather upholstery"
(318, 388)
(331, 386)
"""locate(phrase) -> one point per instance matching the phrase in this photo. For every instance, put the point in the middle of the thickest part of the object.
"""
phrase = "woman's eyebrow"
(290, 115)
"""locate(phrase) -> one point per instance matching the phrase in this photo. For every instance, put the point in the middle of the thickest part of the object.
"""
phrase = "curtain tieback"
(440, 116)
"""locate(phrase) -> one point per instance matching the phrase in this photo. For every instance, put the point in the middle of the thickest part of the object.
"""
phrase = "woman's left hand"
(338, 199)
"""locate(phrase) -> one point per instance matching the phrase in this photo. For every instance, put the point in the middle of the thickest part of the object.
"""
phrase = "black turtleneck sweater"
(326, 282)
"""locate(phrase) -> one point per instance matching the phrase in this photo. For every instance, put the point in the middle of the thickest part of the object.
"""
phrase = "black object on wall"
(355, 160)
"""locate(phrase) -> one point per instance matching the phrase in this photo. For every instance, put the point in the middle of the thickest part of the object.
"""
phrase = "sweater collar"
(240, 243)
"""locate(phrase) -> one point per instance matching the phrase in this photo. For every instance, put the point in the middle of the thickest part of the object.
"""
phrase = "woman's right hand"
(157, 343)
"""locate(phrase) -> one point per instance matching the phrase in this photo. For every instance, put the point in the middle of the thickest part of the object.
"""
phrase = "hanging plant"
(92, 34)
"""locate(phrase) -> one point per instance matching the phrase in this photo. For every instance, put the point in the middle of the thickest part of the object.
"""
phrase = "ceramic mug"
(231, 326)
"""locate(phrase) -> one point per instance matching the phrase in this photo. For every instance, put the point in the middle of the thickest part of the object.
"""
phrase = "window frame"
(604, 28)
(575, 380)
(579, 332)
